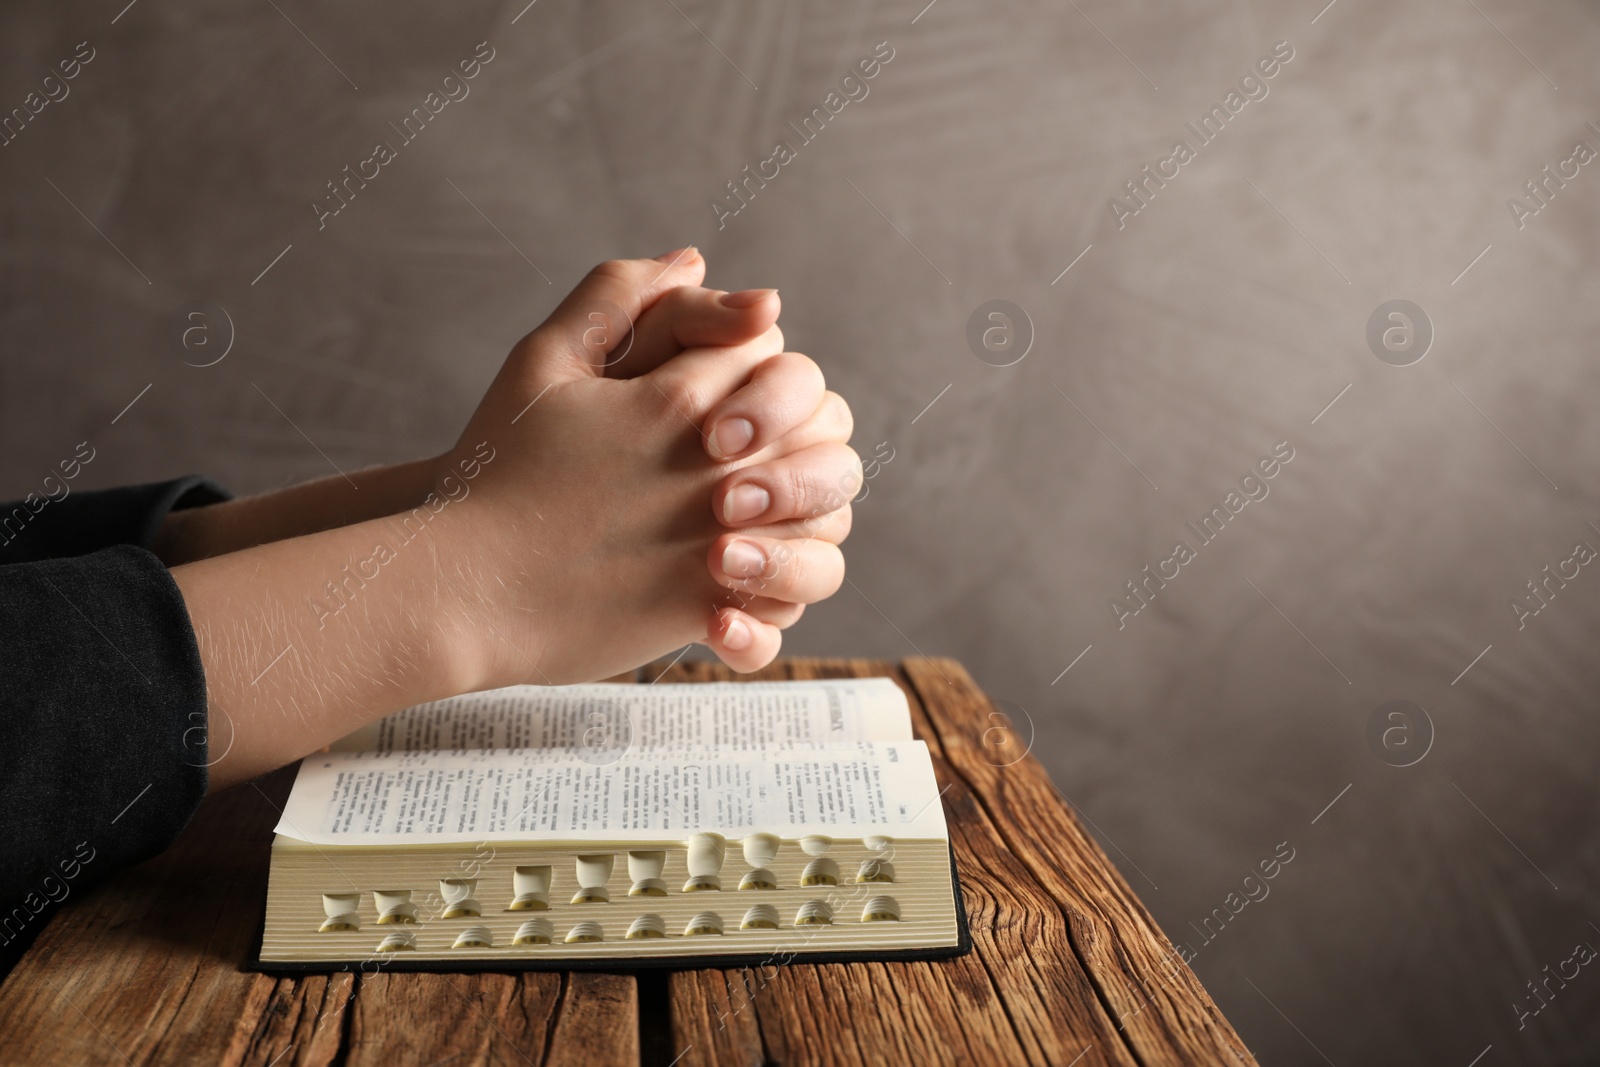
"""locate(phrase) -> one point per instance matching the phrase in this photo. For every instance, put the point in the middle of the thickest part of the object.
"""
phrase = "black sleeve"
(43, 527)
(102, 700)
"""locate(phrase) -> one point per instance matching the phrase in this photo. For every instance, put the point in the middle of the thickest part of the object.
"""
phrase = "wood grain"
(1068, 965)
(1156, 1000)
(303, 1023)
(1020, 997)
(146, 968)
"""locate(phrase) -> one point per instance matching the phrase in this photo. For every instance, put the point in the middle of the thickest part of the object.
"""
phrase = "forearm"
(310, 507)
(304, 640)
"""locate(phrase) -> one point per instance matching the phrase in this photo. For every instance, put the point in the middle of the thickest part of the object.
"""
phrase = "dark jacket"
(102, 696)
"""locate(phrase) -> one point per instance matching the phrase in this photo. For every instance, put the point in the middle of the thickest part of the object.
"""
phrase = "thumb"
(592, 328)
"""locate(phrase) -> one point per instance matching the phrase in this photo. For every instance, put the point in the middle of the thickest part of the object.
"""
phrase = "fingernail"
(746, 297)
(681, 255)
(737, 637)
(731, 436)
(741, 559)
(744, 502)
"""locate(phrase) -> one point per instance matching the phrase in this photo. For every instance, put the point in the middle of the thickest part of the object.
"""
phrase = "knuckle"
(851, 474)
(824, 571)
(680, 393)
(814, 525)
(801, 365)
(842, 521)
(771, 341)
(777, 646)
(837, 578)
(615, 270)
(823, 507)
(838, 416)
(799, 486)
(781, 614)
(791, 567)
(686, 298)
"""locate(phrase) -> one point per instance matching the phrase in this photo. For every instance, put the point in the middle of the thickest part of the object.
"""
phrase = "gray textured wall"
(1221, 319)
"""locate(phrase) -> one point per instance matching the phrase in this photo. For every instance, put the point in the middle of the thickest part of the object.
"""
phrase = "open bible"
(609, 826)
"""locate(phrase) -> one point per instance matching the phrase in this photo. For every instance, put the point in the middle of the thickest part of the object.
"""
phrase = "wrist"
(344, 626)
(468, 632)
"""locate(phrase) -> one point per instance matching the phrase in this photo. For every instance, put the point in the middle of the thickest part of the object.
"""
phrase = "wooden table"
(1068, 966)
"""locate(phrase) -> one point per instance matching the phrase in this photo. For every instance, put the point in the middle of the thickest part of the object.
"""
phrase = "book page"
(412, 798)
(616, 718)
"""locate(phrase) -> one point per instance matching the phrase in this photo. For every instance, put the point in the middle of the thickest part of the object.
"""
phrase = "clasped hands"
(663, 473)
